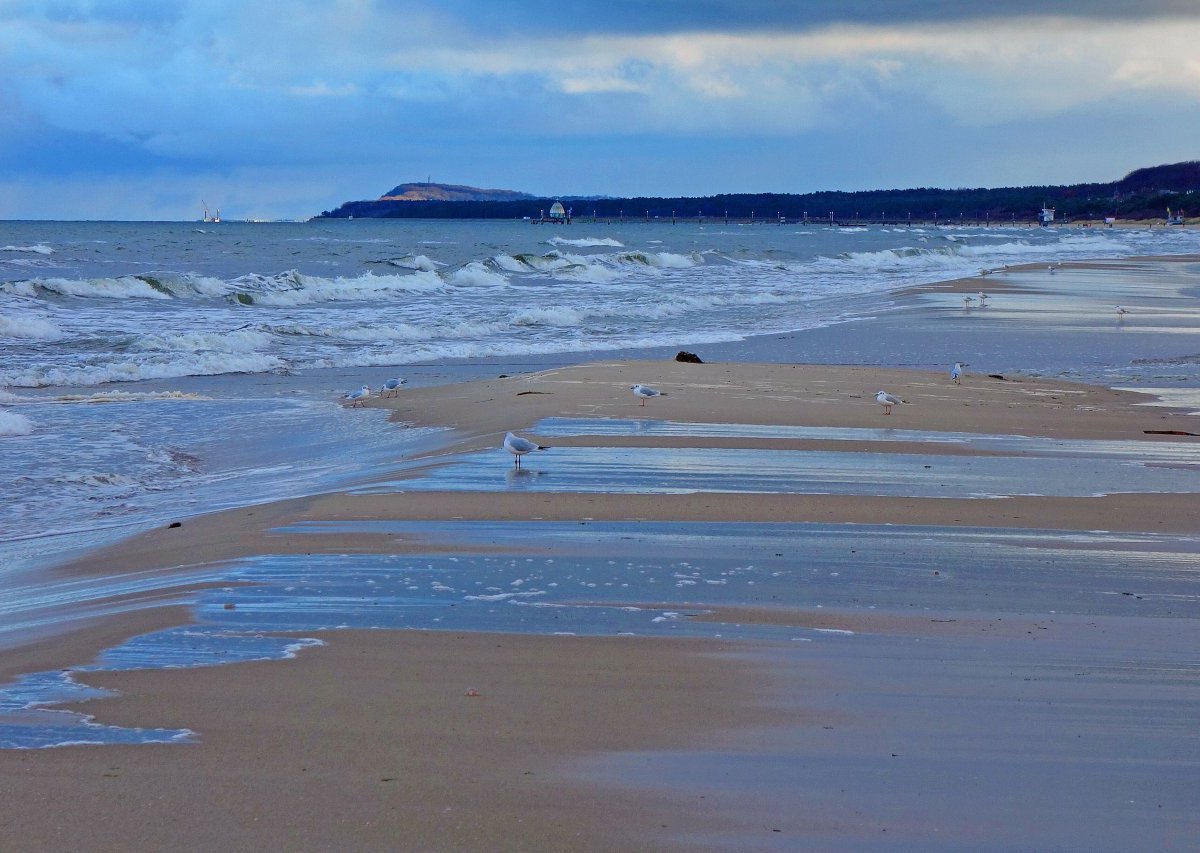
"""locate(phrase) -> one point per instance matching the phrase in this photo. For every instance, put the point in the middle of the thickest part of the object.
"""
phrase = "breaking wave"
(13, 424)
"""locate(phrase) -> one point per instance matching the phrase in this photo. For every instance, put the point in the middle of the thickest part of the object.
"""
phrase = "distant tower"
(557, 212)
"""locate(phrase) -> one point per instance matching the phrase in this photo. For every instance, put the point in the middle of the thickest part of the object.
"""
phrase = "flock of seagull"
(390, 388)
(519, 446)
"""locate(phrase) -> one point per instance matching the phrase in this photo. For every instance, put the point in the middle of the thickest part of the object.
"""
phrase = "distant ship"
(210, 217)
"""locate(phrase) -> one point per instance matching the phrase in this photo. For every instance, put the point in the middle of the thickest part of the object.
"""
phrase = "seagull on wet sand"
(518, 447)
(645, 392)
(956, 372)
(359, 396)
(967, 302)
(1121, 312)
(391, 388)
(887, 401)
(983, 298)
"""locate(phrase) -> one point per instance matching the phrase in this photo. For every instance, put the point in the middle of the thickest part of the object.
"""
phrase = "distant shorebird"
(968, 301)
(391, 388)
(983, 298)
(645, 392)
(518, 447)
(359, 396)
(887, 401)
(1121, 312)
(956, 372)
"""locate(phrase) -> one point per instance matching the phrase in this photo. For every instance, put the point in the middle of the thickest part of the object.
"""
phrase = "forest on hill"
(1142, 194)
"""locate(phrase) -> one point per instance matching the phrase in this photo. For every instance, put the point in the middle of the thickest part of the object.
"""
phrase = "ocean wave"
(560, 316)
(585, 242)
(36, 249)
(153, 286)
(662, 260)
(147, 367)
(475, 274)
(293, 288)
(126, 397)
(412, 262)
(236, 341)
(524, 262)
(31, 328)
(591, 273)
(13, 424)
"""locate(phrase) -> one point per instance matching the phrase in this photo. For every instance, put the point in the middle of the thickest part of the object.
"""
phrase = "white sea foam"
(36, 249)
(28, 327)
(13, 424)
(584, 242)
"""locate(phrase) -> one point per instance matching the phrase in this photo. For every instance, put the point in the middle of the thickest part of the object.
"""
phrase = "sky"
(144, 109)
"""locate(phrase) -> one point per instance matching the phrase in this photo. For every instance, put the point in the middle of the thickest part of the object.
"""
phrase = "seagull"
(646, 392)
(956, 373)
(391, 387)
(1121, 312)
(984, 272)
(518, 447)
(887, 401)
(983, 298)
(967, 300)
(359, 396)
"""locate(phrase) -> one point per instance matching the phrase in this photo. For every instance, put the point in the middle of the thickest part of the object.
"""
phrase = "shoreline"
(696, 698)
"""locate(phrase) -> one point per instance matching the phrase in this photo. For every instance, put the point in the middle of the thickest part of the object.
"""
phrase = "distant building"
(1046, 216)
(557, 212)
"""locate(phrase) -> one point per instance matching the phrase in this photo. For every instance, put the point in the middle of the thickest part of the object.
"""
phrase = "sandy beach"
(967, 624)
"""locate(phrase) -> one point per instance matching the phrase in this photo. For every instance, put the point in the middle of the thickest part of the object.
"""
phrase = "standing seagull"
(1121, 312)
(956, 373)
(983, 298)
(967, 301)
(359, 396)
(391, 388)
(518, 447)
(887, 401)
(646, 392)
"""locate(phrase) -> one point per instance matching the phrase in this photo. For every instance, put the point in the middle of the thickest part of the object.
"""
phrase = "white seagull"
(983, 298)
(967, 301)
(391, 388)
(646, 392)
(887, 401)
(1121, 312)
(518, 447)
(359, 396)
(956, 373)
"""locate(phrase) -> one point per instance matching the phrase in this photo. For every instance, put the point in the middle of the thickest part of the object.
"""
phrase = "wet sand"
(922, 728)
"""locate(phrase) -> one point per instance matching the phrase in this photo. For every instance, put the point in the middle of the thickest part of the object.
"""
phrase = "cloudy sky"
(138, 109)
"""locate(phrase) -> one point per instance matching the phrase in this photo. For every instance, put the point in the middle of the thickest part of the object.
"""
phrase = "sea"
(153, 371)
